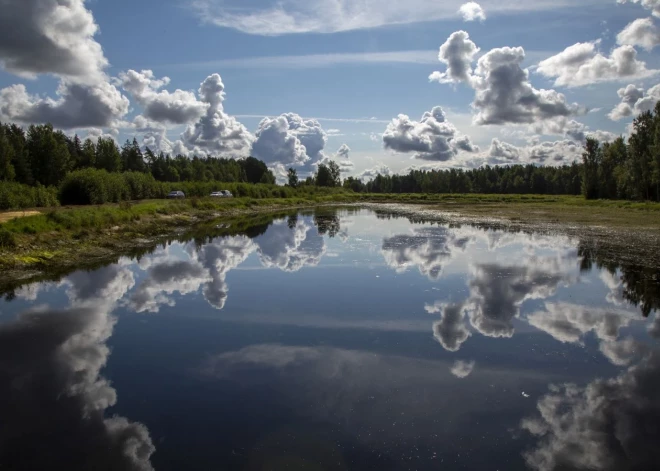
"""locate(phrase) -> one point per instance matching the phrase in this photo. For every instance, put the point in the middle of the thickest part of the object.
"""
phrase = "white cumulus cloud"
(581, 64)
(50, 36)
(641, 32)
(77, 105)
(216, 132)
(634, 101)
(431, 138)
(178, 107)
(289, 140)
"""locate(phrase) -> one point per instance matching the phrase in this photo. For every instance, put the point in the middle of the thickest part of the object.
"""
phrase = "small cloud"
(472, 11)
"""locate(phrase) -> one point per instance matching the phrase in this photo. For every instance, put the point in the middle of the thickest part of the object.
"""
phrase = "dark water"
(337, 341)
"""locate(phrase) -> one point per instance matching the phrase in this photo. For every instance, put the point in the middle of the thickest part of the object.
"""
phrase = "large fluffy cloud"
(472, 11)
(431, 138)
(50, 36)
(178, 107)
(216, 132)
(56, 37)
(582, 64)
(641, 32)
(635, 101)
(77, 105)
(607, 425)
(289, 140)
(503, 92)
(505, 95)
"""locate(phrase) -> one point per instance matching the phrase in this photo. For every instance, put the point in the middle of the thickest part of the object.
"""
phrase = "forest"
(51, 166)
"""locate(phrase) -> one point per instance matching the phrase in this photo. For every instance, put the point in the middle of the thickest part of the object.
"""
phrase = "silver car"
(176, 195)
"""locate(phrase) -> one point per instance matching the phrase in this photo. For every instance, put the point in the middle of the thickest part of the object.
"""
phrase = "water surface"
(337, 340)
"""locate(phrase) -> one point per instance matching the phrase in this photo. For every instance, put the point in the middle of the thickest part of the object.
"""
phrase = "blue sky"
(353, 66)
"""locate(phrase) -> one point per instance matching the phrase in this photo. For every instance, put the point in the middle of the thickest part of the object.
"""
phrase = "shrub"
(19, 196)
(88, 186)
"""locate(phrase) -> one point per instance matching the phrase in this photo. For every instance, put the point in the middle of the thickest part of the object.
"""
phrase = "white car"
(221, 194)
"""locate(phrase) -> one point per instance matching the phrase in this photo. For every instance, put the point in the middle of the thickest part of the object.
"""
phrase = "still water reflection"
(337, 340)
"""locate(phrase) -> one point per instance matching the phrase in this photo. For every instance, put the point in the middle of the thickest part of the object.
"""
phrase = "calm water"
(337, 341)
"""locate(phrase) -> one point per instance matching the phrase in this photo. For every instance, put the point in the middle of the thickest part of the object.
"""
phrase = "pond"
(337, 340)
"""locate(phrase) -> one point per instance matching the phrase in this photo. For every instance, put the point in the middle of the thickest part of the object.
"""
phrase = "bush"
(88, 186)
(7, 239)
(19, 196)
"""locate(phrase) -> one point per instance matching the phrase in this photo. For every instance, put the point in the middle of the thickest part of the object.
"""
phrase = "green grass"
(69, 219)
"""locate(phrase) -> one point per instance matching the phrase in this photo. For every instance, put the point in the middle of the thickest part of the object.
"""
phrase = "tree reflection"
(640, 283)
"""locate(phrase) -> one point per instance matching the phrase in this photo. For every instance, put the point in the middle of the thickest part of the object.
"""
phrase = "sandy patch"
(4, 217)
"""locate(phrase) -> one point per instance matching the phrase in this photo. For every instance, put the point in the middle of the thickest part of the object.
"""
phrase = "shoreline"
(627, 235)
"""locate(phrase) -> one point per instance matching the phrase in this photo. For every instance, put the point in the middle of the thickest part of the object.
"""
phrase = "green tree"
(7, 172)
(16, 138)
(639, 154)
(49, 154)
(590, 161)
(292, 177)
(107, 155)
(323, 177)
(355, 184)
(87, 154)
(655, 153)
(328, 174)
(132, 158)
(255, 170)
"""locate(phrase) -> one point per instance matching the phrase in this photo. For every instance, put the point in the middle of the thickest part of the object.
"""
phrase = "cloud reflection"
(608, 425)
(52, 396)
(429, 249)
(290, 248)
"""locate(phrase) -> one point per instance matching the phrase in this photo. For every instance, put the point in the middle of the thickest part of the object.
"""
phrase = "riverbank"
(79, 237)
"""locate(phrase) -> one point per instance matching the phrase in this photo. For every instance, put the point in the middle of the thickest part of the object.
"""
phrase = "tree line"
(44, 156)
(625, 170)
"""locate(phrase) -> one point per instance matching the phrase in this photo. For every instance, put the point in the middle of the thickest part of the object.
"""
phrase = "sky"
(376, 85)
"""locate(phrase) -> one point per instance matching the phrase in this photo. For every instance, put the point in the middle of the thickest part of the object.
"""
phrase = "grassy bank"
(71, 236)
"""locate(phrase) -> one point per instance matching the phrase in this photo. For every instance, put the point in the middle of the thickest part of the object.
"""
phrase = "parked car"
(221, 194)
(176, 195)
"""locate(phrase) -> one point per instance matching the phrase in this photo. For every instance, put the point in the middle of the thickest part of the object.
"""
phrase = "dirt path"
(4, 217)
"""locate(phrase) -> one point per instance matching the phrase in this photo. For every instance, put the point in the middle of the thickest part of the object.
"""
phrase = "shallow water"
(335, 341)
